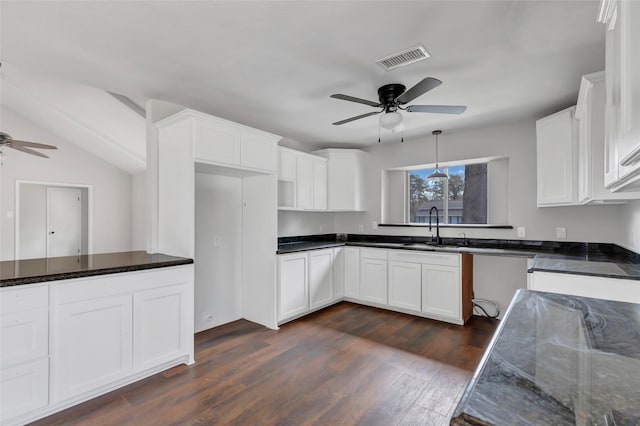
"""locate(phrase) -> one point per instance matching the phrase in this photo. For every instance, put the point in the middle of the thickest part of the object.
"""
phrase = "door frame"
(16, 232)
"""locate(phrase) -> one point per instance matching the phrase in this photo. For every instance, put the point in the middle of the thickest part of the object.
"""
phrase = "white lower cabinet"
(320, 278)
(23, 388)
(617, 289)
(352, 272)
(432, 285)
(338, 273)
(66, 341)
(293, 285)
(160, 326)
(24, 350)
(441, 291)
(373, 275)
(405, 285)
(92, 344)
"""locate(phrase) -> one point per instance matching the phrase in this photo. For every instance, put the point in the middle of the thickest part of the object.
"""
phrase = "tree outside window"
(466, 200)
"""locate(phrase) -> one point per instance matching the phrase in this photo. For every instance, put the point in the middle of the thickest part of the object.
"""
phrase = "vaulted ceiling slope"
(91, 118)
(273, 65)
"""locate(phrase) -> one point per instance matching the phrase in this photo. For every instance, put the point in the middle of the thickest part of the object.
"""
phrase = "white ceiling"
(272, 65)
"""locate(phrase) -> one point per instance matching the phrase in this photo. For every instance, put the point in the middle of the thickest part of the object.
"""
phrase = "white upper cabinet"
(622, 138)
(592, 154)
(222, 142)
(346, 182)
(302, 181)
(557, 159)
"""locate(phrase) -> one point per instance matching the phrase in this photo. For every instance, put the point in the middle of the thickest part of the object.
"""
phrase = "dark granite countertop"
(558, 360)
(594, 259)
(29, 271)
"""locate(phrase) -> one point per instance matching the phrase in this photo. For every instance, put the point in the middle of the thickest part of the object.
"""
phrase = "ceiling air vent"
(406, 57)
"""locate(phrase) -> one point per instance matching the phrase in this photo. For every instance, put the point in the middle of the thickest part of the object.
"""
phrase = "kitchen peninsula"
(77, 327)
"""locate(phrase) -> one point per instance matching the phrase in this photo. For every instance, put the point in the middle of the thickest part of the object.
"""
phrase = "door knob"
(52, 232)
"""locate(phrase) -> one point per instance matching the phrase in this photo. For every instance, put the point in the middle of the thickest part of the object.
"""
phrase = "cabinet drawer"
(442, 259)
(22, 299)
(24, 388)
(24, 336)
(380, 254)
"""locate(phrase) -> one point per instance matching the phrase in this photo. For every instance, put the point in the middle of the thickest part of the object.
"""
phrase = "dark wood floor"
(347, 364)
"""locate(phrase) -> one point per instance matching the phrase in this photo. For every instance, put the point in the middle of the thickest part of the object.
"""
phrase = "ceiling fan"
(393, 97)
(24, 146)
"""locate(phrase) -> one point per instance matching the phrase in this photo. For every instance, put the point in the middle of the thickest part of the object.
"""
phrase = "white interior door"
(63, 222)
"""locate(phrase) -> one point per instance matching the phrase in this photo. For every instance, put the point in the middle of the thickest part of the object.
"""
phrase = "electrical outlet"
(361, 228)
(10, 214)
(522, 232)
(320, 227)
(208, 317)
(561, 233)
(216, 241)
(374, 225)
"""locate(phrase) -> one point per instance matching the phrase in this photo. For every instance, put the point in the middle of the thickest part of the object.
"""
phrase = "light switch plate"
(561, 233)
(522, 232)
(360, 228)
(374, 225)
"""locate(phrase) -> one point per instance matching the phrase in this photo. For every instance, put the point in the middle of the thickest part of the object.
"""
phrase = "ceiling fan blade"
(27, 150)
(419, 89)
(438, 109)
(14, 142)
(353, 99)
(358, 117)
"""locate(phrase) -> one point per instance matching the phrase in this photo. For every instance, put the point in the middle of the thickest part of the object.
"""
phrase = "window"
(461, 199)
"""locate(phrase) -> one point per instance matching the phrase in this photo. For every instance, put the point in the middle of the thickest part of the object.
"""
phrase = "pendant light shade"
(437, 174)
(390, 120)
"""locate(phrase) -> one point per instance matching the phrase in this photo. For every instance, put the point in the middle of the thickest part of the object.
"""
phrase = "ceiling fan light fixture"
(391, 120)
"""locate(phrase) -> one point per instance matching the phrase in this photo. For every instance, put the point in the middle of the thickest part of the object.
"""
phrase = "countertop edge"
(12, 282)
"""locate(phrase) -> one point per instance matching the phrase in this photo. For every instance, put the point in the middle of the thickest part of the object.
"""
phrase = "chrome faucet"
(438, 239)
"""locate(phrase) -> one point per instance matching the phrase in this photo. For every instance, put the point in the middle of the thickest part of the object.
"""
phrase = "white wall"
(218, 250)
(630, 227)
(292, 223)
(139, 212)
(516, 141)
(69, 164)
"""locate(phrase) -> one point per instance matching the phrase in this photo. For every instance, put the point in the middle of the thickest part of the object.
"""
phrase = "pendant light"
(437, 174)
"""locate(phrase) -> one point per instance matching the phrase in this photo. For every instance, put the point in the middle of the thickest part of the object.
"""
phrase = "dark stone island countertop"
(29, 271)
(558, 360)
(593, 259)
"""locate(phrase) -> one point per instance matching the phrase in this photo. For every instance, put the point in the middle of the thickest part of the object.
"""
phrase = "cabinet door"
(557, 159)
(319, 185)
(159, 328)
(352, 272)
(286, 165)
(342, 182)
(293, 285)
(258, 152)
(373, 280)
(304, 182)
(612, 98)
(405, 285)
(320, 277)
(24, 336)
(629, 148)
(441, 291)
(217, 143)
(92, 344)
(24, 388)
(338, 273)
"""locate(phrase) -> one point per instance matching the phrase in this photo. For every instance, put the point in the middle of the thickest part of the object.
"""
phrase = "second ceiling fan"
(393, 97)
